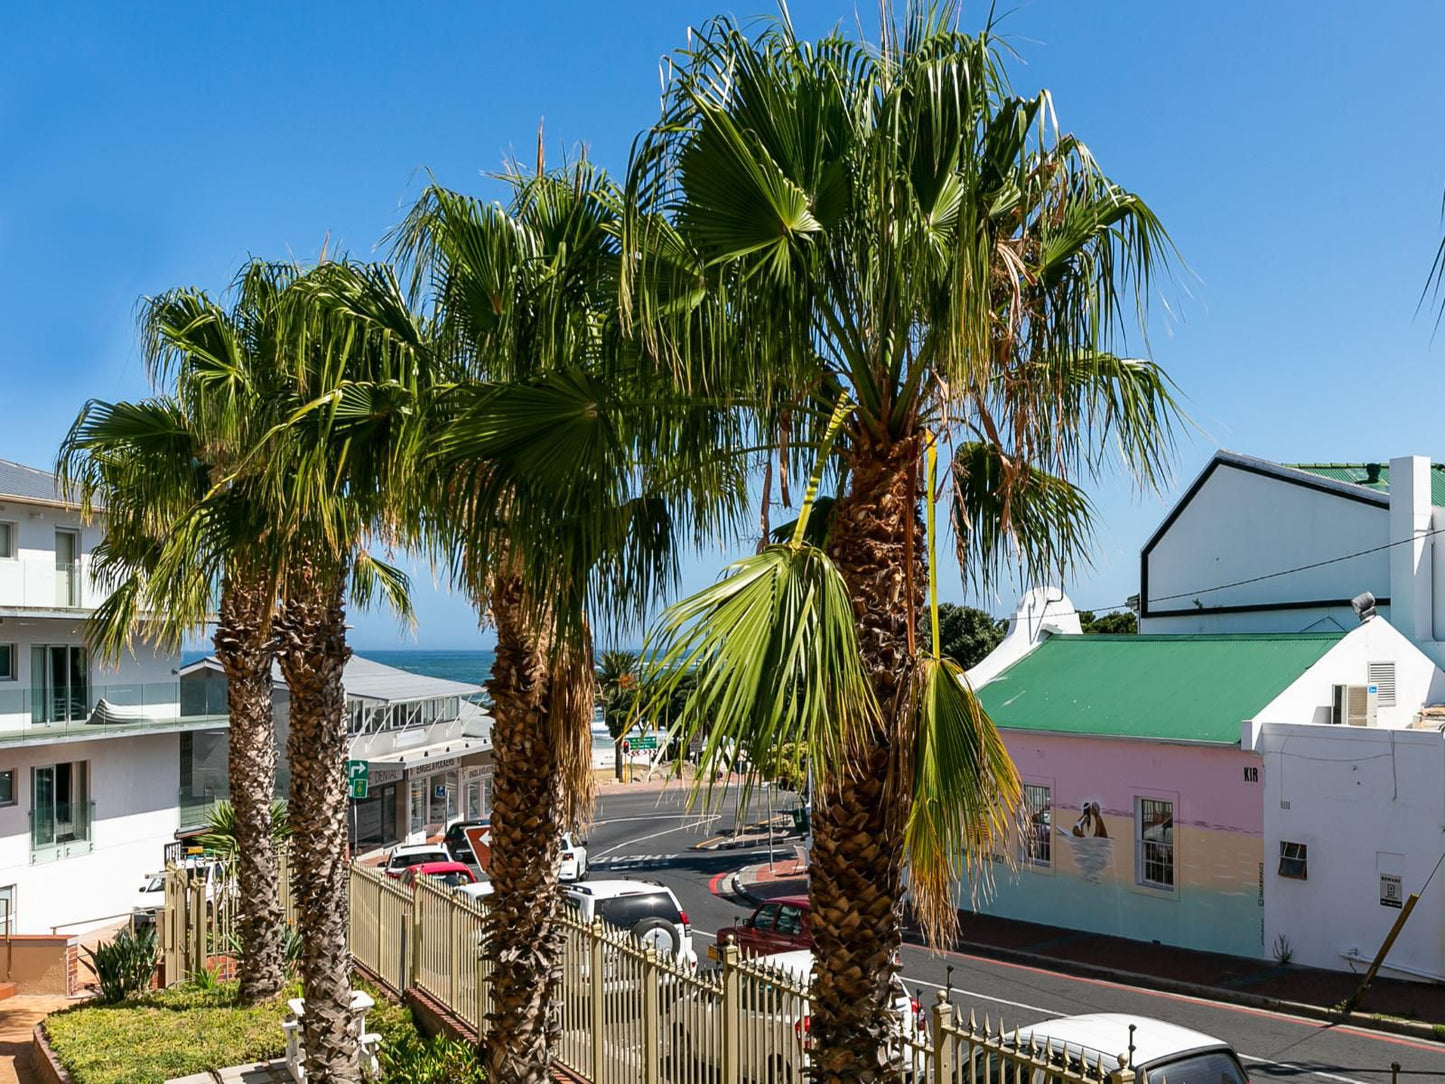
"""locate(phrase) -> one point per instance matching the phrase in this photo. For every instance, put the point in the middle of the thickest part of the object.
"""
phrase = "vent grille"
(1382, 676)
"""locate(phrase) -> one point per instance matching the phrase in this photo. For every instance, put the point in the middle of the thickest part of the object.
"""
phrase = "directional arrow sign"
(358, 778)
(645, 741)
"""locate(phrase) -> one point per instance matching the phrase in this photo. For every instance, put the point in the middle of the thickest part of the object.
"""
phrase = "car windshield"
(156, 882)
(1215, 1067)
(405, 861)
(453, 878)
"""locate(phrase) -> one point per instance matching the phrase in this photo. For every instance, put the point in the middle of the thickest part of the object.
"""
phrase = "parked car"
(774, 1023)
(649, 912)
(780, 925)
(477, 890)
(1162, 1051)
(399, 859)
(573, 862)
(150, 898)
(455, 839)
(451, 874)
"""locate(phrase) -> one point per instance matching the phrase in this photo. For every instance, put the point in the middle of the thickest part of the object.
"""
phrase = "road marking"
(643, 839)
(985, 997)
(1301, 1069)
(658, 817)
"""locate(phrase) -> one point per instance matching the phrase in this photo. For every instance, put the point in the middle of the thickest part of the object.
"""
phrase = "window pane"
(765, 917)
(7, 540)
(42, 814)
(7, 787)
(1156, 842)
(1038, 843)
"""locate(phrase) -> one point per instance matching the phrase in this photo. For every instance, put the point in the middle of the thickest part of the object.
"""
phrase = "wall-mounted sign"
(1390, 891)
(383, 773)
(428, 765)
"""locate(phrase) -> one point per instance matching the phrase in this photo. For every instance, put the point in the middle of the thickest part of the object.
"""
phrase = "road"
(650, 835)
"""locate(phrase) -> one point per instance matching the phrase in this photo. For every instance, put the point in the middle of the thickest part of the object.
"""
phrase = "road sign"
(645, 741)
(479, 838)
(358, 778)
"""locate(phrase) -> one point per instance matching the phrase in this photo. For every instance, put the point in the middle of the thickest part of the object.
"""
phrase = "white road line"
(1301, 1069)
(983, 997)
(658, 817)
(643, 839)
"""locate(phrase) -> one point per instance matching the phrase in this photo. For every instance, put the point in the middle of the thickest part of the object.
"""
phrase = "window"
(7, 910)
(790, 920)
(1215, 1067)
(1038, 829)
(627, 911)
(60, 809)
(1294, 860)
(60, 675)
(7, 662)
(7, 541)
(7, 786)
(766, 917)
(1154, 836)
(67, 568)
(1382, 676)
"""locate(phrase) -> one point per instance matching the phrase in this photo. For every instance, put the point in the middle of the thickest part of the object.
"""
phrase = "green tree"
(915, 258)
(550, 498)
(146, 466)
(1118, 623)
(968, 634)
(618, 686)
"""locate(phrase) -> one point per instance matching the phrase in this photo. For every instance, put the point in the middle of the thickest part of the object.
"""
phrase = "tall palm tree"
(913, 261)
(618, 688)
(148, 466)
(549, 503)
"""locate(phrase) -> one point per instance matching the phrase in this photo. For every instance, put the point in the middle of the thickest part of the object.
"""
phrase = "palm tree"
(148, 466)
(618, 687)
(548, 502)
(912, 261)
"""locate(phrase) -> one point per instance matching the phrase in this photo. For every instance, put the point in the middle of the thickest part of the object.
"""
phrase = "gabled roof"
(1375, 476)
(365, 679)
(1170, 688)
(22, 483)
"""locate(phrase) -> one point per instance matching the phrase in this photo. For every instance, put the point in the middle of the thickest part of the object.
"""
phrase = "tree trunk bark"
(311, 647)
(245, 648)
(524, 940)
(856, 863)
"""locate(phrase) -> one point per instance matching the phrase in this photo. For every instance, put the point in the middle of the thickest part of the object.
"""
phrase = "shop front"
(374, 818)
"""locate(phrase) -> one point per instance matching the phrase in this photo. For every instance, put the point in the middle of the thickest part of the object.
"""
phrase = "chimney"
(1412, 602)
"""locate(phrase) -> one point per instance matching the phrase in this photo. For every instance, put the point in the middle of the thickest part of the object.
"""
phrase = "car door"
(756, 936)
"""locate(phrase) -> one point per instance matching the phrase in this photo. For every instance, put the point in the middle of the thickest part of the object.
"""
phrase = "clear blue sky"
(1292, 149)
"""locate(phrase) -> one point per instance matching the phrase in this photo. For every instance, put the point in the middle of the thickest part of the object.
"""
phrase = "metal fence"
(197, 923)
(630, 1016)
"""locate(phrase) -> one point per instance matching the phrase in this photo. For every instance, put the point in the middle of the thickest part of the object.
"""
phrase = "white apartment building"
(89, 755)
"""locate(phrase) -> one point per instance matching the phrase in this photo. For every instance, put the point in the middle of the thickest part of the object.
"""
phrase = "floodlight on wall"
(1364, 605)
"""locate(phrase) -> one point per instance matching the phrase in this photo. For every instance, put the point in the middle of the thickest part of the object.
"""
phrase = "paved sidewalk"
(18, 1017)
(1137, 963)
(270, 1072)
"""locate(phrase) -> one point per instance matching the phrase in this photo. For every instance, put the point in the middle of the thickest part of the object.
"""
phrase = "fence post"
(651, 1014)
(454, 954)
(196, 901)
(732, 1016)
(1122, 1075)
(597, 988)
(943, 1052)
(417, 948)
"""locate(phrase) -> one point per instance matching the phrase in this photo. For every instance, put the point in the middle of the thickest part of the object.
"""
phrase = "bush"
(124, 966)
(439, 1060)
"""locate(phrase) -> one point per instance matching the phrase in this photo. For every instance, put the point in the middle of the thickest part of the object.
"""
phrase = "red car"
(451, 874)
(780, 925)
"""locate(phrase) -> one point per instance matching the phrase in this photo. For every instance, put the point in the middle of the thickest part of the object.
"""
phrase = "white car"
(573, 863)
(774, 1022)
(1162, 1051)
(150, 897)
(477, 890)
(149, 900)
(650, 912)
(399, 859)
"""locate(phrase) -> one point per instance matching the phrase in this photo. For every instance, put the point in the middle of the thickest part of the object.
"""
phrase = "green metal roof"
(1374, 476)
(1179, 688)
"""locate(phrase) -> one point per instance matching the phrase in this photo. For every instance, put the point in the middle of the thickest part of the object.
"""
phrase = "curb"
(43, 1062)
(1393, 1025)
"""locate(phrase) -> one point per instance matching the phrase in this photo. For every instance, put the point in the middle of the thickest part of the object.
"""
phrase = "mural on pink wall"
(1090, 842)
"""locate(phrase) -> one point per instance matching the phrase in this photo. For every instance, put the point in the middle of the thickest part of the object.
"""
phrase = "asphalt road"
(650, 836)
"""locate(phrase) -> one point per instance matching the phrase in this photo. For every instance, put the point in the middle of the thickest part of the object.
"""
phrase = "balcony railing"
(42, 583)
(101, 710)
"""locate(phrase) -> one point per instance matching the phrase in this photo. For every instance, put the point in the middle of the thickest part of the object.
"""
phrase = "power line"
(1276, 575)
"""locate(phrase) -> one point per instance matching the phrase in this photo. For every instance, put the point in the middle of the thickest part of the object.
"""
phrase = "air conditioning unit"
(1354, 705)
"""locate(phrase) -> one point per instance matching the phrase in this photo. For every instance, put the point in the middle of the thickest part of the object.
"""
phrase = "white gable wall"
(1240, 525)
(1417, 679)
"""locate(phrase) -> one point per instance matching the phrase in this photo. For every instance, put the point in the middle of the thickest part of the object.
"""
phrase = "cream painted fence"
(625, 1015)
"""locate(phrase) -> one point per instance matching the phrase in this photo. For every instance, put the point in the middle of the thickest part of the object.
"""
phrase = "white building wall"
(133, 782)
(1417, 679)
(28, 578)
(1365, 803)
(1241, 525)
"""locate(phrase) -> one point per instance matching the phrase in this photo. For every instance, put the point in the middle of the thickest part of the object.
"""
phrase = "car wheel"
(659, 933)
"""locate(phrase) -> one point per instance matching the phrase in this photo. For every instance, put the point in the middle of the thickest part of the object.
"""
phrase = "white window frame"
(1028, 856)
(14, 532)
(1302, 856)
(1141, 862)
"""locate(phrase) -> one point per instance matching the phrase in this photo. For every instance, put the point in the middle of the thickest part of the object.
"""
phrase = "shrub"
(414, 1060)
(124, 966)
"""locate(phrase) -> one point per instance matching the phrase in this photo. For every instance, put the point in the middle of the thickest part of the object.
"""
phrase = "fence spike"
(972, 1022)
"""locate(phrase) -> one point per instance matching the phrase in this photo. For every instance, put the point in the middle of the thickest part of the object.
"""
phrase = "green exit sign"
(644, 741)
(358, 778)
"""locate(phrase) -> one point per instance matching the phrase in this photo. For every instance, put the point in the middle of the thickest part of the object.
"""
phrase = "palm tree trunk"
(244, 648)
(311, 647)
(856, 880)
(524, 941)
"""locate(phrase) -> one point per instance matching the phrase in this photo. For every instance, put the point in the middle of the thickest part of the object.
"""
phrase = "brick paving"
(18, 1017)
